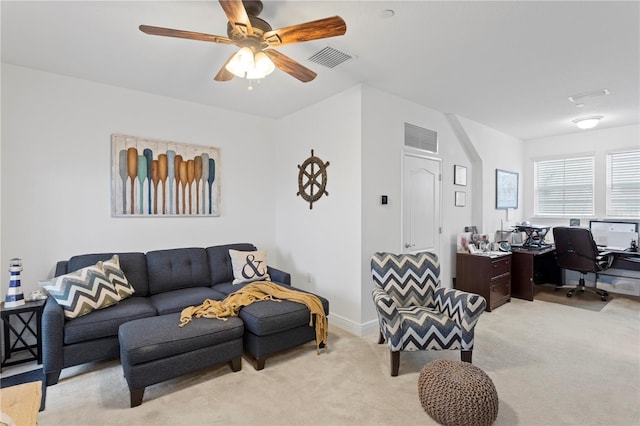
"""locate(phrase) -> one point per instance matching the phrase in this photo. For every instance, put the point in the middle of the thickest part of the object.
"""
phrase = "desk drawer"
(499, 291)
(501, 266)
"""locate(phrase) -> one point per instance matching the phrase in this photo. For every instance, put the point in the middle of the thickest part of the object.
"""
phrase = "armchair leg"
(465, 356)
(395, 363)
(381, 338)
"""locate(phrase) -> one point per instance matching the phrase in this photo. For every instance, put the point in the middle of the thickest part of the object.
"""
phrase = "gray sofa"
(165, 282)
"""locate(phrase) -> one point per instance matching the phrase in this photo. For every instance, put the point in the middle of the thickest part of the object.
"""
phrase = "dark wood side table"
(20, 331)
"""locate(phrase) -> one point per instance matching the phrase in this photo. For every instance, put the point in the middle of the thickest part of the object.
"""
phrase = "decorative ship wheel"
(312, 179)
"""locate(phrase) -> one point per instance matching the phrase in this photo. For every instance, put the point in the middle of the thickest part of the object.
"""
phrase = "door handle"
(408, 245)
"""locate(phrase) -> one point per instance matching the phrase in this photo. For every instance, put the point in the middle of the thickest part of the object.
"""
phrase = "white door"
(421, 203)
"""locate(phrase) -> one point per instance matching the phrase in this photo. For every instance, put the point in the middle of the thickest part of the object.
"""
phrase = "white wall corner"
(360, 330)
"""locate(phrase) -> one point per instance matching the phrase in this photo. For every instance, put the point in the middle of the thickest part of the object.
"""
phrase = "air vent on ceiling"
(329, 57)
(421, 138)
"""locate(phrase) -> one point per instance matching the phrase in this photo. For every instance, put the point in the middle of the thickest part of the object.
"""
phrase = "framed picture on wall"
(459, 175)
(156, 178)
(506, 189)
(461, 198)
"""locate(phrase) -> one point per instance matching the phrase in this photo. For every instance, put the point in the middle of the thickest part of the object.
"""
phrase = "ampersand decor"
(254, 268)
(312, 179)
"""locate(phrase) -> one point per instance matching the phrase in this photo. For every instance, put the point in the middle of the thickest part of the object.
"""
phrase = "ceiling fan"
(256, 39)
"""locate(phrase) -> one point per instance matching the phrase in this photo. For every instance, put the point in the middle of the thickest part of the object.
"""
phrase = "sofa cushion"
(117, 277)
(227, 288)
(249, 266)
(268, 316)
(220, 268)
(134, 266)
(105, 322)
(160, 337)
(176, 300)
(177, 268)
(82, 291)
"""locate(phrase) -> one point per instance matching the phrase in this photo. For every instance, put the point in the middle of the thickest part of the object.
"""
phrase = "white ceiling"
(508, 64)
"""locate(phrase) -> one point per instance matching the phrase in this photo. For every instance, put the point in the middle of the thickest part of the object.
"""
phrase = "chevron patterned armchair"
(415, 313)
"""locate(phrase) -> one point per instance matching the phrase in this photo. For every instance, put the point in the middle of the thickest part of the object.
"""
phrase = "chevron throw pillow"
(82, 291)
(116, 276)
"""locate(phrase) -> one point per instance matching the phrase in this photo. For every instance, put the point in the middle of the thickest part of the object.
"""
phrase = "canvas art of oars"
(160, 178)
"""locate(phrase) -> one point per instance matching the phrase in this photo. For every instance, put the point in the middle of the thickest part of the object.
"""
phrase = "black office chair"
(577, 251)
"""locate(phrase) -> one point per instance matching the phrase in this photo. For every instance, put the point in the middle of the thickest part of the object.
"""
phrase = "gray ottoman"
(275, 326)
(156, 349)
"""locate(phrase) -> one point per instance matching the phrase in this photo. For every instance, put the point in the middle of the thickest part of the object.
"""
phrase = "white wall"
(383, 119)
(597, 142)
(496, 150)
(56, 181)
(321, 246)
(361, 132)
(56, 171)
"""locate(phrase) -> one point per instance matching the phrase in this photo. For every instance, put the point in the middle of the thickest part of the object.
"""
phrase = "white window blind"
(623, 184)
(564, 187)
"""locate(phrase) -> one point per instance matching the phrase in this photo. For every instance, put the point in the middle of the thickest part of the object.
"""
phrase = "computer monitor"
(613, 234)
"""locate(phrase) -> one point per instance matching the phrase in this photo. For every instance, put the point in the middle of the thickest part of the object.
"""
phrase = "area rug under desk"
(586, 300)
(29, 376)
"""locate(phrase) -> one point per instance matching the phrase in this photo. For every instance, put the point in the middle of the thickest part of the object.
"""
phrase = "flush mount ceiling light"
(587, 122)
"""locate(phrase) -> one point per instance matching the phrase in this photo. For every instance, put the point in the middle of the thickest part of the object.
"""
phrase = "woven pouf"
(457, 393)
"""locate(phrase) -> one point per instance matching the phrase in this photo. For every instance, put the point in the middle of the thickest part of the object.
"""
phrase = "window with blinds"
(564, 187)
(623, 184)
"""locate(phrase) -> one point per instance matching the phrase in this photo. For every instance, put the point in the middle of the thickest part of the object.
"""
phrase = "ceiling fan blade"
(224, 74)
(322, 28)
(237, 15)
(290, 66)
(168, 32)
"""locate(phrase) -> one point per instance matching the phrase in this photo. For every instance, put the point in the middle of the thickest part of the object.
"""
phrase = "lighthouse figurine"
(14, 295)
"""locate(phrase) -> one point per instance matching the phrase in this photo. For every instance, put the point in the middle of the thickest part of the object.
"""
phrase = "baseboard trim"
(364, 329)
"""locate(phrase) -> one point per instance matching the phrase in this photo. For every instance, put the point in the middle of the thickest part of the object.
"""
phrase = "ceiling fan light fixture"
(245, 64)
(252, 35)
(585, 123)
(241, 63)
(263, 66)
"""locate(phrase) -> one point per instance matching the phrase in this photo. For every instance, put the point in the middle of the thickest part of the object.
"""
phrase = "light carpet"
(551, 365)
(581, 300)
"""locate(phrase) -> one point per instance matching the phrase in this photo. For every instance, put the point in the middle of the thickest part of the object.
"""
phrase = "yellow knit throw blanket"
(255, 292)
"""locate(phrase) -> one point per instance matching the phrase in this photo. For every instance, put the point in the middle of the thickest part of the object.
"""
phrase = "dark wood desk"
(627, 260)
(530, 267)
